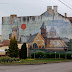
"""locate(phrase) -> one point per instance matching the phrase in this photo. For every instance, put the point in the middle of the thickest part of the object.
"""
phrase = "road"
(54, 67)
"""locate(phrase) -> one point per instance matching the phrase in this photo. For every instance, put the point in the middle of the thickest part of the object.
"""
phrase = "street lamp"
(55, 55)
(34, 46)
(65, 49)
(59, 55)
(30, 52)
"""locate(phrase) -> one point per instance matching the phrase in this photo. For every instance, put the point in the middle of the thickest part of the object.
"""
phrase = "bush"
(40, 55)
(62, 55)
(68, 56)
(47, 55)
(23, 53)
(52, 55)
(57, 55)
(13, 48)
(8, 59)
(32, 55)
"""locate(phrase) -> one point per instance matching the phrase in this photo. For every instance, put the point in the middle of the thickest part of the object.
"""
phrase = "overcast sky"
(31, 7)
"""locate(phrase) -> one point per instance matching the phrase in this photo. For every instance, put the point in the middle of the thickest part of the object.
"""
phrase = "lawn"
(36, 61)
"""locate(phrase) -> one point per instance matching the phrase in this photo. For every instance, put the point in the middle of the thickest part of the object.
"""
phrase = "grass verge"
(36, 61)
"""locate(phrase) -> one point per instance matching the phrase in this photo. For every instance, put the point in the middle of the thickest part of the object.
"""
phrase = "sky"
(31, 7)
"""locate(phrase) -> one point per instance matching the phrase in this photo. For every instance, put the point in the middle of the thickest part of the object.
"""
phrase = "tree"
(69, 44)
(23, 53)
(13, 48)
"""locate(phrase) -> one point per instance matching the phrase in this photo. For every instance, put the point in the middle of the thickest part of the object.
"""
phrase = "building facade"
(26, 25)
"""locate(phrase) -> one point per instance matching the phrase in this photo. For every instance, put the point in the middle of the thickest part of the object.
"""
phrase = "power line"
(65, 4)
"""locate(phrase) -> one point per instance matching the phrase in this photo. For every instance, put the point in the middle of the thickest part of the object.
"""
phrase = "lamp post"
(30, 53)
(59, 54)
(34, 46)
(55, 55)
(34, 53)
(65, 49)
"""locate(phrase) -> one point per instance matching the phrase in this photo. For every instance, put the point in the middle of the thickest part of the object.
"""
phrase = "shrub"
(68, 56)
(40, 55)
(47, 55)
(23, 53)
(57, 55)
(32, 55)
(62, 55)
(8, 59)
(13, 48)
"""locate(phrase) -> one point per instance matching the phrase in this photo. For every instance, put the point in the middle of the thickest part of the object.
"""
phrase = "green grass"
(37, 61)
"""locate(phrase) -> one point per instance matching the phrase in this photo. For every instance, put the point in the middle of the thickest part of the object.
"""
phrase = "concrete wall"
(6, 47)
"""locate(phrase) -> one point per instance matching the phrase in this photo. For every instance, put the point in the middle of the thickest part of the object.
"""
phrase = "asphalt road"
(55, 67)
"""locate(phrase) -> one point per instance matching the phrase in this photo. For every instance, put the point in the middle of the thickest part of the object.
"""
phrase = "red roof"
(70, 18)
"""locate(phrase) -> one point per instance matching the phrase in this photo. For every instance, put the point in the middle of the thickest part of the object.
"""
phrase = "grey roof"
(58, 43)
(65, 39)
(32, 37)
(43, 26)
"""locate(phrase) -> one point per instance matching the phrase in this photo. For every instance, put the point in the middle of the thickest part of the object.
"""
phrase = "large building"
(50, 30)
(25, 25)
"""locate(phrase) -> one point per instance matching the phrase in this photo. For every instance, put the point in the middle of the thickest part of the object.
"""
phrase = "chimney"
(55, 8)
(12, 18)
(65, 14)
(49, 8)
(13, 15)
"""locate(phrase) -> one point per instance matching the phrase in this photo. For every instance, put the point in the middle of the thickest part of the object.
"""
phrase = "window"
(30, 46)
(27, 18)
(24, 19)
(33, 18)
(34, 45)
(39, 46)
(42, 46)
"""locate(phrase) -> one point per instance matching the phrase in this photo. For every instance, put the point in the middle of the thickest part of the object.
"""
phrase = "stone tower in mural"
(15, 32)
(43, 30)
(52, 32)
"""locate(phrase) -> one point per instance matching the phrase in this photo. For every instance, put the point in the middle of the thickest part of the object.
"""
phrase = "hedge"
(8, 59)
(50, 55)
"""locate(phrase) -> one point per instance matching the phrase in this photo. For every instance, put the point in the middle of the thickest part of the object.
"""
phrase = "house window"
(33, 18)
(30, 46)
(35, 45)
(39, 46)
(28, 19)
(24, 19)
(42, 46)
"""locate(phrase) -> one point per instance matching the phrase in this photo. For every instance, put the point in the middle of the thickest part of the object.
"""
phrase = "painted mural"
(57, 26)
